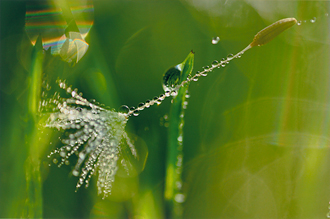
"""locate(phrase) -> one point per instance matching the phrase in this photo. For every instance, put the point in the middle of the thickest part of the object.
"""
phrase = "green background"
(256, 132)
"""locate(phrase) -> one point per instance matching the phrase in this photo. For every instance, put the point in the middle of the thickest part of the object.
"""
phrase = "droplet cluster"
(97, 138)
(171, 83)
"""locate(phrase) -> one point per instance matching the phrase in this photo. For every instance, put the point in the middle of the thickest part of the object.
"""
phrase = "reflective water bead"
(203, 73)
(215, 40)
(141, 106)
(75, 172)
(147, 103)
(215, 63)
(62, 153)
(136, 112)
(174, 93)
(313, 20)
(171, 78)
(162, 97)
(230, 56)
(124, 109)
(206, 68)
(179, 198)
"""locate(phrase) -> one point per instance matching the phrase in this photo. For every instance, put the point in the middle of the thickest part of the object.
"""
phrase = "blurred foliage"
(256, 132)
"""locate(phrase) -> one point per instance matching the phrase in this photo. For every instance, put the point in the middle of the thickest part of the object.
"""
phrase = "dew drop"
(215, 63)
(203, 73)
(62, 85)
(55, 161)
(328, 215)
(66, 162)
(313, 20)
(206, 68)
(162, 97)
(179, 198)
(141, 106)
(62, 153)
(75, 172)
(326, 14)
(171, 78)
(136, 112)
(215, 40)
(174, 93)
(148, 102)
(230, 56)
(299, 23)
(124, 109)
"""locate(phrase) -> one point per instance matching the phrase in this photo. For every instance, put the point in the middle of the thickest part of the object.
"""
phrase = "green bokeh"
(256, 135)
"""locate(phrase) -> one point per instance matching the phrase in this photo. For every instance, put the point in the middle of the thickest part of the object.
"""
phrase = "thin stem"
(174, 92)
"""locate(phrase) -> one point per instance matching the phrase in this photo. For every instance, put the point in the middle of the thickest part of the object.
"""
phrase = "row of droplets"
(312, 20)
(174, 91)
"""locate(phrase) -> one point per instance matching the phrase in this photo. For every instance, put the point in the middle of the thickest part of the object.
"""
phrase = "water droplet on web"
(171, 78)
(230, 56)
(206, 68)
(141, 106)
(215, 63)
(124, 109)
(215, 40)
(299, 23)
(55, 161)
(174, 93)
(62, 153)
(136, 112)
(326, 14)
(313, 20)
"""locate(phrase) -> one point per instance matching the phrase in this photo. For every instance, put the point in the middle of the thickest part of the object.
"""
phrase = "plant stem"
(173, 187)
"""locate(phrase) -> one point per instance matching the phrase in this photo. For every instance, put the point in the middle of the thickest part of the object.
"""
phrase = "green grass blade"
(175, 146)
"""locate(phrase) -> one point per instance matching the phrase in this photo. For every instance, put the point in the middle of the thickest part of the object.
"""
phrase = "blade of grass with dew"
(175, 140)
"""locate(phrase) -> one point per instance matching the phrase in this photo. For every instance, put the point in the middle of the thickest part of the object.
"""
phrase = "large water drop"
(171, 78)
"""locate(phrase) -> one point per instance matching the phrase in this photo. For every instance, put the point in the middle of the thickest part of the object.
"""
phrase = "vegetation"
(255, 135)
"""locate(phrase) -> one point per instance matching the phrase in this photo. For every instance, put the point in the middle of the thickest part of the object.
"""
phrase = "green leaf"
(175, 136)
